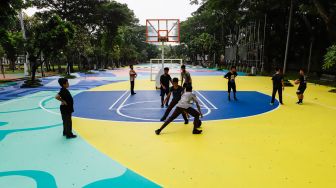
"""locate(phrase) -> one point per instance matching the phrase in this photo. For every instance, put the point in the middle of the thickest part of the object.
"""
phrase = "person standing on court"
(165, 80)
(278, 85)
(302, 81)
(66, 107)
(133, 75)
(185, 77)
(231, 76)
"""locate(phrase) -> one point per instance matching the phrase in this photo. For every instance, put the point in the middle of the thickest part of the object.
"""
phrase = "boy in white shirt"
(184, 105)
(133, 75)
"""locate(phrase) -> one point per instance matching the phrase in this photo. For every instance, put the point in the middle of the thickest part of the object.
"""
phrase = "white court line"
(209, 110)
(42, 107)
(321, 104)
(213, 106)
(122, 105)
(111, 107)
(134, 109)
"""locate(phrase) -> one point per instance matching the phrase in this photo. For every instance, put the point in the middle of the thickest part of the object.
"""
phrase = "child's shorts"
(301, 90)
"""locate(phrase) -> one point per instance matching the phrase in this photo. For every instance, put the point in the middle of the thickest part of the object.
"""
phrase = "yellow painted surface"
(293, 146)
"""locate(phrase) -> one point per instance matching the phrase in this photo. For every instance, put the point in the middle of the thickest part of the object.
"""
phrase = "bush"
(67, 76)
(330, 58)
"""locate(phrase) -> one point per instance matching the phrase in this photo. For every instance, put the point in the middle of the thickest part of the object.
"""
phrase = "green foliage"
(13, 44)
(50, 37)
(313, 23)
(9, 11)
(330, 58)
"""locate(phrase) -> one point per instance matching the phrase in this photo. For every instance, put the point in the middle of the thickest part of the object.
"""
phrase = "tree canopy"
(314, 29)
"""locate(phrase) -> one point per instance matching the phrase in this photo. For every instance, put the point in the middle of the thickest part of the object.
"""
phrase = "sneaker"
(161, 105)
(71, 136)
(200, 124)
(282, 103)
(157, 132)
(166, 105)
(186, 122)
(133, 93)
(162, 119)
(195, 131)
(299, 103)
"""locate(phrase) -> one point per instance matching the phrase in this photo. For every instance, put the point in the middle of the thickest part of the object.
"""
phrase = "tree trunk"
(59, 66)
(33, 71)
(12, 63)
(2, 68)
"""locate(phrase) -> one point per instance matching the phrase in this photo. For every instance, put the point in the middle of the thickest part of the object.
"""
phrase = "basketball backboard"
(162, 30)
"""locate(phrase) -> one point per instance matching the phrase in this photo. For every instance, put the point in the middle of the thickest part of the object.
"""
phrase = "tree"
(2, 53)
(226, 20)
(10, 39)
(330, 58)
(13, 45)
(9, 11)
(203, 45)
(48, 37)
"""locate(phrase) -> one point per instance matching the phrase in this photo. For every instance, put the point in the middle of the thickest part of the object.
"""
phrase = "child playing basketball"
(133, 75)
(278, 85)
(184, 106)
(302, 86)
(177, 92)
(165, 80)
(231, 76)
(185, 77)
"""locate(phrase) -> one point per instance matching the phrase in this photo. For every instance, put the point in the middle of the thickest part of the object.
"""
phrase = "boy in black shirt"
(165, 80)
(302, 87)
(185, 77)
(66, 107)
(177, 92)
(231, 76)
(278, 85)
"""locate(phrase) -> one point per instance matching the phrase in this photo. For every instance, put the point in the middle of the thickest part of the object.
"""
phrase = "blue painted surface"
(128, 180)
(37, 136)
(42, 179)
(13, 92)
(145, 105)
(98, 74)
(3, 123)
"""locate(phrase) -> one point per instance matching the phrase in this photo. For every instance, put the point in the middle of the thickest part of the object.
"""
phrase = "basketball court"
(245, 143)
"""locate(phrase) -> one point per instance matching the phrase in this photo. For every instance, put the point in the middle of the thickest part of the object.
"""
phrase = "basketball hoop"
(163, 30)
(163, 39)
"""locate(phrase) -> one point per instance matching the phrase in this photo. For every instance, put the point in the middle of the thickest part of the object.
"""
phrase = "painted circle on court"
(145, 106)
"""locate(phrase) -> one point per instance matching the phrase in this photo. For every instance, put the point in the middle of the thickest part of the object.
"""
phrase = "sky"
(152, 9)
